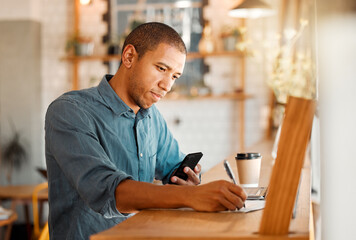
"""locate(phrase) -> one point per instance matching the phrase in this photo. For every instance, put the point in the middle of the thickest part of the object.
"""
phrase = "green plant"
(14, 155)
(74, 42)
(230, 31)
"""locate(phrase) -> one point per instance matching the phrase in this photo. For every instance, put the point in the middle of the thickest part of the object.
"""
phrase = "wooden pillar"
(242, 103)
(75, 76)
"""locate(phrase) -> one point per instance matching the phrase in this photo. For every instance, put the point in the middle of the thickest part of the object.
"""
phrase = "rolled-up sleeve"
(75, 147)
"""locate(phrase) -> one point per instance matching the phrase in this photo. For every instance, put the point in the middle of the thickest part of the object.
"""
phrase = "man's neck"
(119, 84)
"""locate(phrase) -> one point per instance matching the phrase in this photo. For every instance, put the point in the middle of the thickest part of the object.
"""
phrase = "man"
(105, 145)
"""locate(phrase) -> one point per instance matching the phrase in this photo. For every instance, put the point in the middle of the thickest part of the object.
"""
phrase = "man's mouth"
(157, 96)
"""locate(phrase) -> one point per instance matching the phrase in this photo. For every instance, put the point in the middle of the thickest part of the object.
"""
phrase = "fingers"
(193, 177)
(236, 201)
(238, 190)
(178, 181)
(233, 196)
(197, 169)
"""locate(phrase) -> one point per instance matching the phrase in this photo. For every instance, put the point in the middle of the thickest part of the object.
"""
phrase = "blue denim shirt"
(93, 142)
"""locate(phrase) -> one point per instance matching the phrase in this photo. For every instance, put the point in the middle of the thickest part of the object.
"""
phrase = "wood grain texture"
(286, 173)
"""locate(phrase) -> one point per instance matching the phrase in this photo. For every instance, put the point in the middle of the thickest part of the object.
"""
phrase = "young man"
(105, 145)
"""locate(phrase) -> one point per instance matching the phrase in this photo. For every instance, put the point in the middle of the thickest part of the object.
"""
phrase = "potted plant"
(230, 36)
(80, 46)
(14, 156)
(114, 45)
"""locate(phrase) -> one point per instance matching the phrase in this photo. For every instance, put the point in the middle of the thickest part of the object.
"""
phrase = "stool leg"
(8, 232)
(27, 218)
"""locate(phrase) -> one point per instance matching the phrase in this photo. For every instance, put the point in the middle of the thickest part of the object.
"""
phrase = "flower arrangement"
(292, 73)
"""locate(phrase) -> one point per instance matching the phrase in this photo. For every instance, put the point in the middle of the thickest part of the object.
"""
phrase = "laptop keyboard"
(256, 193)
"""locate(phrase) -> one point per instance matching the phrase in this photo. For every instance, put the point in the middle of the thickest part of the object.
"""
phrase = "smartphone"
(191, 160)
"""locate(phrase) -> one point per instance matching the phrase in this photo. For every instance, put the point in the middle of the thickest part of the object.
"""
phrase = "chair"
(43, 234)
(286, 173)
(7, 223)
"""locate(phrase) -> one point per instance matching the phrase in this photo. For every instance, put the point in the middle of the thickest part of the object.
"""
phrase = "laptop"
(256, 193)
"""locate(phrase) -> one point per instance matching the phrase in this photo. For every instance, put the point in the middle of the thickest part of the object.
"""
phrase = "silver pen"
(230, 173)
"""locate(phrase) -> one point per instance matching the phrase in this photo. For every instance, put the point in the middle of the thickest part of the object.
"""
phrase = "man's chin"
(146, 106)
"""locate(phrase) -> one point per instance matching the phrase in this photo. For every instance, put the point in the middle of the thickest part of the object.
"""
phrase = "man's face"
(153, 75)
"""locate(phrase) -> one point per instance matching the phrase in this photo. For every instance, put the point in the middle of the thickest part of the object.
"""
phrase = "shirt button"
(141, 155)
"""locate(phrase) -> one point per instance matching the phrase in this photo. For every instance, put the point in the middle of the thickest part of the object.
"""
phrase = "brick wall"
(210, 126)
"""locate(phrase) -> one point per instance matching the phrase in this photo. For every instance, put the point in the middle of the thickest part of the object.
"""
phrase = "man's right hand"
(217, 196)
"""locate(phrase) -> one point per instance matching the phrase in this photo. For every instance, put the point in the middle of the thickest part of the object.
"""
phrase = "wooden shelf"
(197, 55)
(227, 96)
(93, 58)
(190, 56)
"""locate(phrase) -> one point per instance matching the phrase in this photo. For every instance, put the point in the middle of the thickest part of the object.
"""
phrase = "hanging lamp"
(252, 9)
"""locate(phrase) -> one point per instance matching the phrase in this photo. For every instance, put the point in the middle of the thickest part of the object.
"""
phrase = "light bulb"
(85, 2)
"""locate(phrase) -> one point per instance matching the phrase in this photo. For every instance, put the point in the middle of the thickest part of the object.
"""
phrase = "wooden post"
(283, 186)
(242, 103)
(75, 77)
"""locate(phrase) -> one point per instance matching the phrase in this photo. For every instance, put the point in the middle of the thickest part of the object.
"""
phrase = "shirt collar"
(114, 101)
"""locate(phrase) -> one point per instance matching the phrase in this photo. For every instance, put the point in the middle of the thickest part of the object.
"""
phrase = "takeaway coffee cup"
(248, 168)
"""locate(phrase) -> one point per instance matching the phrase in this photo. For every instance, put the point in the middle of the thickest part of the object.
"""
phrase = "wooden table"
(22, 194)
(188, 224)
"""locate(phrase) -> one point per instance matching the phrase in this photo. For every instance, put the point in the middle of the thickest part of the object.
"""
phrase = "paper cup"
(248, 168)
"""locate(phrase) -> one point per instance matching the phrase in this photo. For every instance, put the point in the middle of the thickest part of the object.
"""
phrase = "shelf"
(190, 56)
(197, 55)
(93, 58)
(227, 96)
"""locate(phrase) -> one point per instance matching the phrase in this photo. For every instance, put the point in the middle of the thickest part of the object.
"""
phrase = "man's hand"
(132, 196)
(193, 176)
(217, 196)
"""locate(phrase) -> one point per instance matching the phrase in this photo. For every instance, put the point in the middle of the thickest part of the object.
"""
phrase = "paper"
(4, 213)
(250, 206)
(253, 205)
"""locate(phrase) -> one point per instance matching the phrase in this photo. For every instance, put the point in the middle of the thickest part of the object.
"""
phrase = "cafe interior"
(270, 76)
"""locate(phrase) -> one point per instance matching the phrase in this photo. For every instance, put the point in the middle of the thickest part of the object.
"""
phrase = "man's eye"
(161, 69)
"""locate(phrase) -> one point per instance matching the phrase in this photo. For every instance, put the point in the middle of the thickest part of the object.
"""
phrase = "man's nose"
(166, 84)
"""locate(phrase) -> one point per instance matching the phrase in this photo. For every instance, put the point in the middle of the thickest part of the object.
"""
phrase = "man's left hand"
(193, 176)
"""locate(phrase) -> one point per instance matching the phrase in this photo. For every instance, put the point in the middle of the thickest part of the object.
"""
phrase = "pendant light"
(251, 9)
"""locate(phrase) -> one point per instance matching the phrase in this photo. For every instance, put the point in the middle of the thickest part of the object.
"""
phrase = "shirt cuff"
(109, 210)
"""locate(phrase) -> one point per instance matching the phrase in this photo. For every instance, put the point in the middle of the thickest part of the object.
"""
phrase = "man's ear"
(128, 55)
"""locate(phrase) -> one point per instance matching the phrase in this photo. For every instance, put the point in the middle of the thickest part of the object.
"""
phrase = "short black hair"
(147, 36)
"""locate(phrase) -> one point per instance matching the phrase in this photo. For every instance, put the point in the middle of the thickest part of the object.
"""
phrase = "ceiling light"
(183, 4)
(85, 2)
(251, 9)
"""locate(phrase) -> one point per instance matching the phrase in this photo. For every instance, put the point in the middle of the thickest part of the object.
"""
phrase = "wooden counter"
(188, 224)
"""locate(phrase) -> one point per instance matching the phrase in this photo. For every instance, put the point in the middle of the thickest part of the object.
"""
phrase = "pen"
(230, 173)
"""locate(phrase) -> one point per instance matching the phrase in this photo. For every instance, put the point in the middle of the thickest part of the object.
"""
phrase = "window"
(184, 16)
